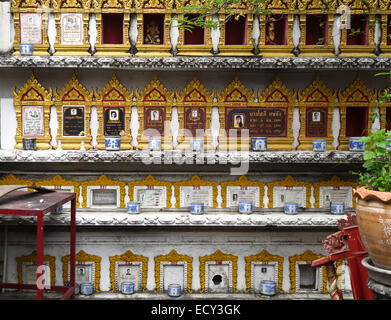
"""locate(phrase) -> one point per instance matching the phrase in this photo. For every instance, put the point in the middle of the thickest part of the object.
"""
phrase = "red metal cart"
(37, 204)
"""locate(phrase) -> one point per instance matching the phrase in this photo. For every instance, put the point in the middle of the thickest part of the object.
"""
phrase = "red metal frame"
(37, 204)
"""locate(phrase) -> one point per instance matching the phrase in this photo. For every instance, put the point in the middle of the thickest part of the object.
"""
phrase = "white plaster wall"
(6, 27)
(152, 243)
(8, 124)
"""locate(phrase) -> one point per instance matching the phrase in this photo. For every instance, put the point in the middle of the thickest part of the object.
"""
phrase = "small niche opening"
(217, 279)
(153, 29)
(307, 277)
(277, 29)
(112, 28)
(356, 121)
(358, 32)
(236, 31)
(316, 29)
(196, 35)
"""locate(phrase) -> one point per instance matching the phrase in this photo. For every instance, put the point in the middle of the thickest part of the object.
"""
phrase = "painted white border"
(89, 196)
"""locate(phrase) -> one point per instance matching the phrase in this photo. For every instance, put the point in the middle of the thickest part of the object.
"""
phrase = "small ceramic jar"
(26, 49)
(245, 207)
(29, 143)
(127, 287)
(291, 208)
(268, 288)
(155, 144)
(113, 143)
(86, 289)
(57, 210)
(319, 145)
(196, 144)
(133, 207)
(197, 208)
(174, 290)
(337, 207)
(258, 143)
(355, 144)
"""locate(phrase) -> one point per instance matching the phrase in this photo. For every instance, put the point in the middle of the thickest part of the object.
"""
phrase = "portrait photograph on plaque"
(71, 28)
(151, 196)
(31, 28)
(194, 121)
(196, 194)
(236, 194)
(154, 118)
(33, 121)
(114, 120)
(316, 122)
(73, 121)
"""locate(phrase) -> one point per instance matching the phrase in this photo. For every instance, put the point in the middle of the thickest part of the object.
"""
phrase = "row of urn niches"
(267, 287)
(257, 144)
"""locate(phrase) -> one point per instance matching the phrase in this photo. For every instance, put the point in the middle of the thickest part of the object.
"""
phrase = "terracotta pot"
(373, 213)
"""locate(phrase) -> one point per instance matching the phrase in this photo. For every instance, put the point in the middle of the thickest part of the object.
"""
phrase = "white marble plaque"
(173, 274)
(191, 194)
(83, 273)
(103, 196)
(281, 195)
(71, 28)
(151, 196)
(62, 189)
(33, 121)
(261, 272)
(31, 28)
(236, 194)
(129, 272)
(335, 194)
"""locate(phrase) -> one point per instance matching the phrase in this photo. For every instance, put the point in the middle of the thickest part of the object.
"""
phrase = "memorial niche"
(30, 21)
(73, 103)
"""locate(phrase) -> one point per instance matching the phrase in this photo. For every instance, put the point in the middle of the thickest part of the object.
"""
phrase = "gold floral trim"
(129, 256)
(174, 257)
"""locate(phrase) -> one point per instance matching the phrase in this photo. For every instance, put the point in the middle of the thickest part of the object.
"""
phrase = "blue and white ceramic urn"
(127, 287)
(133, 207)
(355, 144)
(57, 210)
(197, 208)
(258, 143)
(29, 143)
(319, 145)
(196, 144)
(245, 207)
(291, 208)
(337, 207)
(26, 49)
(113, 143)
(268, 288)
(154, 144)
(174, 290)
(86, 289)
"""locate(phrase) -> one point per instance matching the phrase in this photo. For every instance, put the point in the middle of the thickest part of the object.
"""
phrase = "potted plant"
(373, 210)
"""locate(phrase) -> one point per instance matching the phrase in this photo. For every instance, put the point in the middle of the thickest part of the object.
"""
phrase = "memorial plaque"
(316, 122)
(83, 273)
(335, 194)
(33, 121)
(104, 197)
(113, 120)
(151, 196)
(62, 189)
(31, 28)
(236, 194)
(195, 119)
(281, 195)
(173, 273)
(73, 121)
(195, 194)
(261, 122)
(154, 118)
(263, 271)
(129, 272)
(71, 28)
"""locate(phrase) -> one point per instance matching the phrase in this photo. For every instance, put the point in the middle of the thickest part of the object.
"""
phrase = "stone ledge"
(182, 219)
(197, 63)
(180, 157)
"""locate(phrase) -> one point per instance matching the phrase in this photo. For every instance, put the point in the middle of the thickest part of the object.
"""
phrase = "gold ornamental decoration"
(154, 104)
(32, 259)
(264, 257)
(114, 97)
(129, 257)
(32, 103)
(173, 258)
(218, 257)
(194, 103)
(357, 95)
(82, 257)
(74, 129)
(12, 180)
